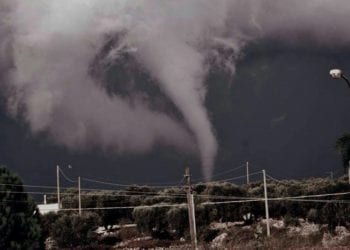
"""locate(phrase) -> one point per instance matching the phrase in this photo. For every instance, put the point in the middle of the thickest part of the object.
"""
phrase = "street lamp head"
(336, 73)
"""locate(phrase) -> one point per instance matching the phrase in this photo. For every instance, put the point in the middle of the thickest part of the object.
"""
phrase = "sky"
(209, 83)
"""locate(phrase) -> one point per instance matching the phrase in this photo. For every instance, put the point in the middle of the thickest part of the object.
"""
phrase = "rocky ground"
(236, 235)
(306, 235)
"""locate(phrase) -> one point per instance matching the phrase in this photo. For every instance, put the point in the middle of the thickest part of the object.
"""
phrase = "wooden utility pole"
(349, 172)
(191, 211)
(247, 170)
(79, 197)
(266, 206)
(58, 186)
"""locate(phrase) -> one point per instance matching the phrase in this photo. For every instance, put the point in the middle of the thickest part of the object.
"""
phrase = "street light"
(338, 74)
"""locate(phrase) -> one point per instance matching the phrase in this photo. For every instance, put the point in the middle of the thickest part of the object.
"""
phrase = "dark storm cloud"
(54, 43)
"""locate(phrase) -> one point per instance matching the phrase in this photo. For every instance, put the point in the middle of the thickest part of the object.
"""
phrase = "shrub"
(71, 230)
(110, 217)
(177, 218)
(290, 221)
(207, 235)
(312, 215)
(47, 222)
(152, 220)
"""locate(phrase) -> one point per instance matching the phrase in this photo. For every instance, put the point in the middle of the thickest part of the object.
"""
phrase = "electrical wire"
(228, 171)
(66, 177)
(274, 179)
(229, 202)
(120, 184)
(33, 186)
(183, 195)
(311, 196)
(221, 173)
(321, 201)
(122, 207)
(240, 177)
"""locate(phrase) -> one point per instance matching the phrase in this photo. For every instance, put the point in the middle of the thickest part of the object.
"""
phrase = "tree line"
(22, 225)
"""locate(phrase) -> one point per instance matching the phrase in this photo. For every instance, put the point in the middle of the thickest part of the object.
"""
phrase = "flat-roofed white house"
(47, 208)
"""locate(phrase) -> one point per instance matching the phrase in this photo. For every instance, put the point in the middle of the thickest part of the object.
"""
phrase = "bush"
(313, 215)
(110, 217)
(152, 220)
(47, 222)
(290, 221)
(177, 218)
(207, 235)
(71, 230)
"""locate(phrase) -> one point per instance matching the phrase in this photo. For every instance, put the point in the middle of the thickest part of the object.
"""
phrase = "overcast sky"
(272, 58)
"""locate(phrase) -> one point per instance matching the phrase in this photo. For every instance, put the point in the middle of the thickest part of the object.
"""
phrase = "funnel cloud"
(47, 49)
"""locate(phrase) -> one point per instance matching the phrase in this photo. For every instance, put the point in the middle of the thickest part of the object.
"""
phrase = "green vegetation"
(19, 218)
(162, 214)
(343, 147)
(152, 211)
(72, 230)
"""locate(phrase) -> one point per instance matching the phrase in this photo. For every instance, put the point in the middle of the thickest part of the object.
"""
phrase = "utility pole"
(58, 186)
(349, 172)
(191, 212)
(79, 197)
(247, 170)
(266, 206)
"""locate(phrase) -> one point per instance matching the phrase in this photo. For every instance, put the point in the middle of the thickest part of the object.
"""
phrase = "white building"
(47, 208)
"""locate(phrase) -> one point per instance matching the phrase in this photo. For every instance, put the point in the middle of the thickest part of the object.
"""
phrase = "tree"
(47, 222)
(72, 230)
(110, 217)
(177, 218)
(152, 220)
(343, 147)
(19, 217)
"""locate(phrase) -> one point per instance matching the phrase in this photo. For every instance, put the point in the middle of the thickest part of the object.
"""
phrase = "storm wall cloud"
(48, 47)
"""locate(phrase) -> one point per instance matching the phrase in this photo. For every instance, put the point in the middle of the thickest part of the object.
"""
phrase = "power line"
(121, 184)
(310, 196)
(204, 203)
(171, 195)
(13, 201)
(240, 177)
(322, 201)
(218, 202)
(229, 171)
(66, 177)
(274, 179)
(229, 202)
(32, 186)
(224, 172)
(73, 187)
(130, 193)
(27, 192)
(123, 207)
(228, 179)
(137, 192)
